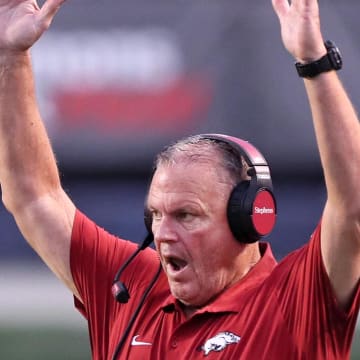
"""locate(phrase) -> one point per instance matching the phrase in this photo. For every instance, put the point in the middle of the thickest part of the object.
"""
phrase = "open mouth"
(175, 263)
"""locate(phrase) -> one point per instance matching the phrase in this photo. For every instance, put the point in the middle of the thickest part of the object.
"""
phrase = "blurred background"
(118, 80)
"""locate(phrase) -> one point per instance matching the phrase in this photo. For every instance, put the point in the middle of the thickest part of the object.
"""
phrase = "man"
(216, 296)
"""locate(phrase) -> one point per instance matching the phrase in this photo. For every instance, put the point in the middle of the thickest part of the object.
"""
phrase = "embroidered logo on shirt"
(134, 342)
(220, 342)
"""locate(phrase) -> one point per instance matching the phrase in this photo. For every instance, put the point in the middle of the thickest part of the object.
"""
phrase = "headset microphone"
(122, 295)
(118, 288)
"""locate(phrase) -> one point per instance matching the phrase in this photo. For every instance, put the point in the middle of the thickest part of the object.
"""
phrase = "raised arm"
(29, 177)
(337, 132)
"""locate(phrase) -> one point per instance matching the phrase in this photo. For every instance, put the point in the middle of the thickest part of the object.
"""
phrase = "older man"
(210, 288)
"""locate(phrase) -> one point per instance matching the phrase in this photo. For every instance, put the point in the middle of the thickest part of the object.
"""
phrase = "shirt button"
(174, 344)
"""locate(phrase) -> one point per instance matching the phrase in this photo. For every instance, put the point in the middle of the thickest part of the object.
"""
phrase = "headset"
(251, 214)
(251, 209)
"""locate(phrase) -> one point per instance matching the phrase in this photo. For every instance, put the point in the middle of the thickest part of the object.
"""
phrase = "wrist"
(314, 55)
(10, 59)
(329, 61)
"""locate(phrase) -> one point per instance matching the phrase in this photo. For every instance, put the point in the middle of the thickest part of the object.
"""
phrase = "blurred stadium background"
(118, 80)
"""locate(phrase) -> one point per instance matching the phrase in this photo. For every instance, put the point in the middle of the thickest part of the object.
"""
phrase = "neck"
(189, 311)
(246, 259)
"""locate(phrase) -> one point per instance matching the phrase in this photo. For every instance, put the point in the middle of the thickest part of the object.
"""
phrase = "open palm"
(22, 22)
(300, 28)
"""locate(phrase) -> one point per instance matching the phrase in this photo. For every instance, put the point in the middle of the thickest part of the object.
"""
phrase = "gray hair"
(199, 149)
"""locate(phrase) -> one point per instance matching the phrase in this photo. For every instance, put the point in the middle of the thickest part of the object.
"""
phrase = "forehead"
(186, 182)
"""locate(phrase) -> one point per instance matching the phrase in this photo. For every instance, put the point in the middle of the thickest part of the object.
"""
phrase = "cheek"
(205, 258)
(212, 254)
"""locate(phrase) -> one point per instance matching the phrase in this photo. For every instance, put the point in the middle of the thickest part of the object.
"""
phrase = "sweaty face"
(196, 247)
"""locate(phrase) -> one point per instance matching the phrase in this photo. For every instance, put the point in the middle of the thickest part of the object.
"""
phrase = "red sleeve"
(309, 304)
(95, 257)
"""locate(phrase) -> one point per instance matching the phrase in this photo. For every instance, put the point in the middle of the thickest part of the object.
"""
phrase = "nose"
(164, 230)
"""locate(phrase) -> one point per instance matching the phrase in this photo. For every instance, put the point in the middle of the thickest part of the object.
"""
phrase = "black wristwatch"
(331, 61)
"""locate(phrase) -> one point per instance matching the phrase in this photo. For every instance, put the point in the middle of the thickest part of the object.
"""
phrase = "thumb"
(49, 10)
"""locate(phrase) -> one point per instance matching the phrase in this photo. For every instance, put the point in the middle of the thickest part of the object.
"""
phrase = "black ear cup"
(251, 211)
(239, 213)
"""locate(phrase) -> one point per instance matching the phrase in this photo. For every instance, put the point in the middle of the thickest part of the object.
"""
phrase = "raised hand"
(22, 22)
(300, 28)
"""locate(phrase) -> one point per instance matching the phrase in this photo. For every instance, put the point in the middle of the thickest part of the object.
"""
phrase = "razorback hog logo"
(220, 342)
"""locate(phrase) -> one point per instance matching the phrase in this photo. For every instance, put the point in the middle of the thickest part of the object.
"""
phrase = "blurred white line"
(31, 295)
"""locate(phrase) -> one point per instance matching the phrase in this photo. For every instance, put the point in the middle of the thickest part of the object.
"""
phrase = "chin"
(183, 296)
(192, 294)
(189, 301)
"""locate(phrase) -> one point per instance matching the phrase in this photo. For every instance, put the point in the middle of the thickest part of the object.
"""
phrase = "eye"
(156, 215)
(184, 216)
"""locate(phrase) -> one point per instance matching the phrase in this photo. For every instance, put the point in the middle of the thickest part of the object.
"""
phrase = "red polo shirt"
(277, 311)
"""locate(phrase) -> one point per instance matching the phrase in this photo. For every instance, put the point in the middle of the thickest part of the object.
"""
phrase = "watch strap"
(314, 68)
(330, 61)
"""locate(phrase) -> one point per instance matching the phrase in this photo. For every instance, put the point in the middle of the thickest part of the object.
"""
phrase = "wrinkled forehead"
(186, 179)
(199, 162)
(186, 153)
(187, 170)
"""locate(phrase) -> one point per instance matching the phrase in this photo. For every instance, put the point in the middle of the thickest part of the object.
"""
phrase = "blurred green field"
(356, 346)
(44, 344)
(55, 344)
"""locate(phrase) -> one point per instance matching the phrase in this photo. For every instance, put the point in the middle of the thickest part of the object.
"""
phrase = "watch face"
(334, 55)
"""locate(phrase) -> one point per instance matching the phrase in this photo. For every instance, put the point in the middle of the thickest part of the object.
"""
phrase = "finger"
(305, 5)
(281, 7)
(49, 10)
